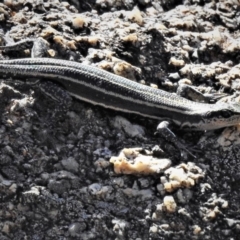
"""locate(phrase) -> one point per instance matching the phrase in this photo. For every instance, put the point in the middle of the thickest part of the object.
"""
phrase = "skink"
(100, 87)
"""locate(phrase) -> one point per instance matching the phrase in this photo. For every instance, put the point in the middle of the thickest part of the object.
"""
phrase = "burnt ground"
(56, 180)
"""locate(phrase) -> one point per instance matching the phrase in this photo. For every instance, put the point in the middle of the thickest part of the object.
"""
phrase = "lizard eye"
(222, 114)
(226, 113)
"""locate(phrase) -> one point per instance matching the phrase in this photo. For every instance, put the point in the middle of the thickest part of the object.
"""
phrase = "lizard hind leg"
(163, 130)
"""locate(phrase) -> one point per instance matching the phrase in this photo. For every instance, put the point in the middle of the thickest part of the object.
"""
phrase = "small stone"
(101, 164)
(132, 130)
(52, 53)
(144, 183)
(176, 62)
(6, 228)
(70, 164)
(196, 229)
(99, 190)
(48, 32)
(231, 222)
(153, 229)
(164, 226)
(71, 45)
(59, 40)
(94, 188)
(184, 212)
(195, 54)
(131, 38)
(169, 204)
(135, 16)
(124, 69)
(13, 188)
(76, 228)
(78, 22)
(174, 76)
(130, 161)
(154, 85)
(119, 182)
(120, 226)
(185, 81)
(160, 189)
(184, 195)
(171, 186)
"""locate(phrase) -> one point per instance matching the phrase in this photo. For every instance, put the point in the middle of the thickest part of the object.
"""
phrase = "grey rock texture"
(56, 181)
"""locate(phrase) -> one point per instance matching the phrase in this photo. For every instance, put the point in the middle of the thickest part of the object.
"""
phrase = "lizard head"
(222, 115)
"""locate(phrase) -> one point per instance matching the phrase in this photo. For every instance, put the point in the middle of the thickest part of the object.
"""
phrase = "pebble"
(78, 22)
(133, 130)
(75, 229)
(135, 16)
(196, 229)
(169, 204)
(130, 161)
(143, 194)
(70, 164)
